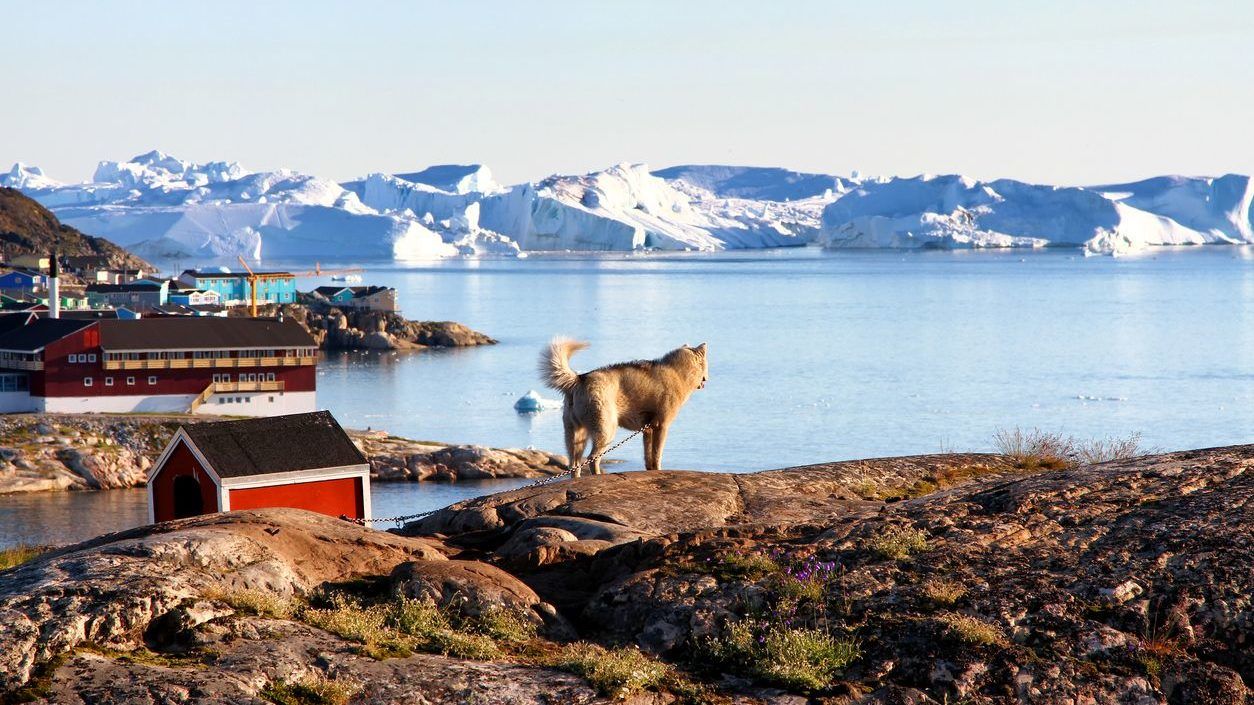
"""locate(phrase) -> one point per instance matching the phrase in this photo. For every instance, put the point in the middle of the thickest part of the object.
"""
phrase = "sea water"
(814, 356)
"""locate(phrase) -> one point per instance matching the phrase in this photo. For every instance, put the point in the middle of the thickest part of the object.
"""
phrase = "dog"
(627, 394)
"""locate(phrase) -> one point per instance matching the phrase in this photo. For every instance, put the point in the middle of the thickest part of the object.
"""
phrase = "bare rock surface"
(49, 452)
(956, 578)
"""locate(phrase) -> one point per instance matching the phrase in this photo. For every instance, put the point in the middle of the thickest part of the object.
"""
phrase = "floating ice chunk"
(532, 402)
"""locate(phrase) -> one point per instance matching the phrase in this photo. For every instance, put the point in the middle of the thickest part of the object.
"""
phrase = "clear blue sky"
(1058, 91)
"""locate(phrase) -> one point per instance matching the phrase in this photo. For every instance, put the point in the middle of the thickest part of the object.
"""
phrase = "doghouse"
(305, 461)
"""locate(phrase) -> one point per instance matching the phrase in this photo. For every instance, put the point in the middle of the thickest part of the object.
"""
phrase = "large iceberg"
(955, 211)
(161, 206)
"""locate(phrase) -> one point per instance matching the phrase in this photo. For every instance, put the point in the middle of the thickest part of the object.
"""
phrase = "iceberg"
(532, 402)
(955, 211)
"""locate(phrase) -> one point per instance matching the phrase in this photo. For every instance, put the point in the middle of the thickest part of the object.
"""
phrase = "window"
(221, 400)
(108, 381)
(269, 376)
(130, 381)
(152, 379)
(87, 381)
(91, 357)
(271, 400)
(73, 359)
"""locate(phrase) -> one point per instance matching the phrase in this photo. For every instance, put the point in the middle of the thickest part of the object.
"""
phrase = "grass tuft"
(970, 630)
(312, 690)
(17, 555)
(944, 592)
(899, 542)
(615, 673)
(1037, 450)
(791, 657)
(253, 602)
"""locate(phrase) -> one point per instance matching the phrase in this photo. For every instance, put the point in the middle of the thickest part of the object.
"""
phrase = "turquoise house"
(233, 287)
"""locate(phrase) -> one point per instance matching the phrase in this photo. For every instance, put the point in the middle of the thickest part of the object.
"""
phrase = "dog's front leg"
(649, 463)
(659, 440)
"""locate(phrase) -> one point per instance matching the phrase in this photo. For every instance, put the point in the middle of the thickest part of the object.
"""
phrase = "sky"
(1059, 92)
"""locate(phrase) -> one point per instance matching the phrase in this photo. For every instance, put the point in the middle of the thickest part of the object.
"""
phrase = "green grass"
(312, 690)
(807, 659)
(615, 673)
(17, 555)
(898, 542)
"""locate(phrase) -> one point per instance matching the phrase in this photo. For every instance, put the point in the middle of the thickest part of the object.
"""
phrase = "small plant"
(505, 625)
(253, 602)
(17, 555)
(943, 592)
(616, 673)
(970, 630)
(313, 690)
(794, 658)
(899, 542)
(1107, 449)
(807, 580)
(1036, 450)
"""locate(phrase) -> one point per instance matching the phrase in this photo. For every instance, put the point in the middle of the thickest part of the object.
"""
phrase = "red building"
(304, 461)
(236, 366)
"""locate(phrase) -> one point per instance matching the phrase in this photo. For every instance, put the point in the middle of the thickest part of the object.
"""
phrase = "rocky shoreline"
(923, 580)
(52, 452)
(338, 328)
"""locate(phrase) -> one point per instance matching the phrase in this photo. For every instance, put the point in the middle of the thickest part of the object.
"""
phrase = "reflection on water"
(60, 518)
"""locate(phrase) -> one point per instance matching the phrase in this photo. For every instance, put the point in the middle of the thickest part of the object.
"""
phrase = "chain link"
(570, 472)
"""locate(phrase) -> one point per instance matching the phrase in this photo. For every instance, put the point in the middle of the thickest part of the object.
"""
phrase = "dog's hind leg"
(602, 437)
(576, 442)
(648, 449)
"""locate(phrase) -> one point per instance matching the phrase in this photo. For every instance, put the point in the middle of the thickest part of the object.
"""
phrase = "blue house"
(23, 279)
(233, 287)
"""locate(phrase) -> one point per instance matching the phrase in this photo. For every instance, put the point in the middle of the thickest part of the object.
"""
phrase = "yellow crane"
(254, 278)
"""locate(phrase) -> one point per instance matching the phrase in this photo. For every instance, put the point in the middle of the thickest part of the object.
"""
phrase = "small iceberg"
(532, 402)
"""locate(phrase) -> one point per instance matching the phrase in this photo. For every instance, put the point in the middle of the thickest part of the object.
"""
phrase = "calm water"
(814, 356)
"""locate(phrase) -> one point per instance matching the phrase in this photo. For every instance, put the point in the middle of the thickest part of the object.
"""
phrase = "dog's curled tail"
(555, 364)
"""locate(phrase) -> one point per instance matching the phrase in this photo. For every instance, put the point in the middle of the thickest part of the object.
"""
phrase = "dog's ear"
(701, 349)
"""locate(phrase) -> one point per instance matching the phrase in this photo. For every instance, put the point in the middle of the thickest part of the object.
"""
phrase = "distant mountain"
(28, 228)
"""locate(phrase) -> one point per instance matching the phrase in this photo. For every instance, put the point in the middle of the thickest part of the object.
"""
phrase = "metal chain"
(400, 520)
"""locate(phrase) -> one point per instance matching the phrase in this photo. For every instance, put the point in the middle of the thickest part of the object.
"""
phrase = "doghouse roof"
(274, 444)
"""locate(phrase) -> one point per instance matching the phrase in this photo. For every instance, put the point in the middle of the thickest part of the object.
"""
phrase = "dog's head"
(702, 353)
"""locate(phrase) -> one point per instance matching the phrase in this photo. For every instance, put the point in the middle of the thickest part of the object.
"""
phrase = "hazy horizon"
(1064, 93)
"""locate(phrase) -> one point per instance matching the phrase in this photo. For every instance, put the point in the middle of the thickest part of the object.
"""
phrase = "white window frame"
(130, 381)
(91, 357)
(87, 381)
(152, 379)
(108, 381)
(73, 358)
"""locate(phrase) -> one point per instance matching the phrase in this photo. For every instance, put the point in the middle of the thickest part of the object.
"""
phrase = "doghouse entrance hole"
(187, 499)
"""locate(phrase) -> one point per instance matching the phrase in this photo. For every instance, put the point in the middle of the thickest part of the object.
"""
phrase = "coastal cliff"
(927, 579)
(48, 452)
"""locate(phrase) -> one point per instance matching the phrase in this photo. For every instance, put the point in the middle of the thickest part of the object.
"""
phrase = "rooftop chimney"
(54, 286)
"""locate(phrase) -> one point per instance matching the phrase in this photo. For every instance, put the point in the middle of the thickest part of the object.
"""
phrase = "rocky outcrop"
(953, 578)
(43, 452)
(394, 458)
(337, 328)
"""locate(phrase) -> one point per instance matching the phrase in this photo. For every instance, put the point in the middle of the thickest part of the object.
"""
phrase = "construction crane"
(254, 278)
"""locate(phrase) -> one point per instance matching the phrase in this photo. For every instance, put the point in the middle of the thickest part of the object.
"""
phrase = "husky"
(627, 394)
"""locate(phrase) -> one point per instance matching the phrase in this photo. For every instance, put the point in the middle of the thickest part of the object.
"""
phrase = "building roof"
(131, 287)
(20, 270)
(37, 334)
(198, 274)
(358, 291)
(12, 320)
(266, 445)
(203, 333)
(84, 314)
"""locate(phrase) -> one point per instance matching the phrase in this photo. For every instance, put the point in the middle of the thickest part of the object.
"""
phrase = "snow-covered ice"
(162, 206)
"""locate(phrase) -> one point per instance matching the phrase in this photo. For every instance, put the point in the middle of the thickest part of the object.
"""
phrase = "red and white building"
(235, 366)
(303, 461)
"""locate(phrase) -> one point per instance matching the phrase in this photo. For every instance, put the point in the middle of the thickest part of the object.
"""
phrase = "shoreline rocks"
(56, 452)
(337, 328)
